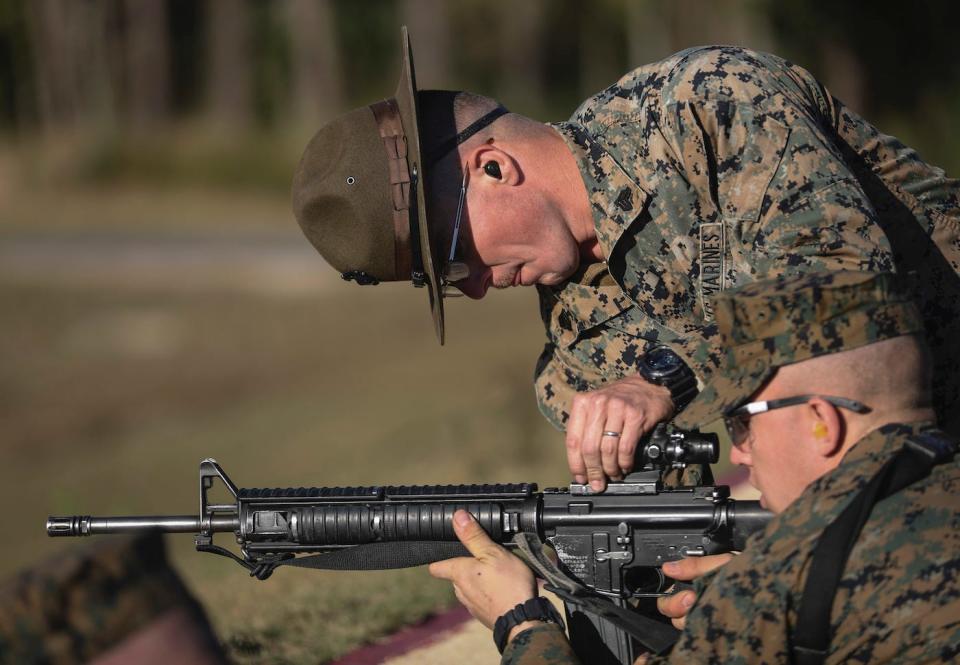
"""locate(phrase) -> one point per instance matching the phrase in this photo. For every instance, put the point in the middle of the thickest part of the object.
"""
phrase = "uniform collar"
(827, 496)
(873, 450)
(615, 197)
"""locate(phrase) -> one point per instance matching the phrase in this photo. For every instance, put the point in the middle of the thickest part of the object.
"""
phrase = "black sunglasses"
(737, 421)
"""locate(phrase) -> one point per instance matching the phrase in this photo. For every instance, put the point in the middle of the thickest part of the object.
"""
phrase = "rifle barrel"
(85, 525)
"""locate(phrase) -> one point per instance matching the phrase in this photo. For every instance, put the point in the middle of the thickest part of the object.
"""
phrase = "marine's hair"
(891, 374)
(445, 112)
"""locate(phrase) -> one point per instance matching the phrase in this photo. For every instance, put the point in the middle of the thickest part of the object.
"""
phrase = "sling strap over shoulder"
(919, 455)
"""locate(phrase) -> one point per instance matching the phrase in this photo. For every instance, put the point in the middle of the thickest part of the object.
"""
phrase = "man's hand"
(490, 584)
(677, 605)
(630, 407)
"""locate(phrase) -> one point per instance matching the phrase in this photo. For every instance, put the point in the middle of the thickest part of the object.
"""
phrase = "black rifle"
(609, 546)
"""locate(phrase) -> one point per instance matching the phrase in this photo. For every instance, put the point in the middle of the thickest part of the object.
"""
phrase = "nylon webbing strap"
(441, 150)
(653, 635)
(811, 637)
(382, 556)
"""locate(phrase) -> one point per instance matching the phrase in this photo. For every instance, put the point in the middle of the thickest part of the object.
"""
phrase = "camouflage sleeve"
(74, 608)
(542, 645)
(561, 371)
(740, 617)
(555, 386)
(588, 343)
(750, 133)
(556, 381)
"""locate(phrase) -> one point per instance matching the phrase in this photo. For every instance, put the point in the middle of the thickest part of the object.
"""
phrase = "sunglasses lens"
(737, 429)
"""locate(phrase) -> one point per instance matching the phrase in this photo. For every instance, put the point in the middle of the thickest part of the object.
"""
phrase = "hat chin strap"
(403, 191)
(482, 122)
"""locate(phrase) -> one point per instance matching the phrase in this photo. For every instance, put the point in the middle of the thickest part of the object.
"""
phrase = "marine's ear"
(827, 427)
(491, 165)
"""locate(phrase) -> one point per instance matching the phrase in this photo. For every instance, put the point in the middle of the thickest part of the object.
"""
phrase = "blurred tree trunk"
(71, 68)
(317, 93)
(429, 25)
(521, 55)
(229, 63)
(697, 23)
(146, 65)
(659, 28)
(844, 75)
(58, 96)
(648, 32)
(599, 62)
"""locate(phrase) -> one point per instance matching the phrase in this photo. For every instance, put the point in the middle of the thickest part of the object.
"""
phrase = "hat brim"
(720, 396)
(406, 97)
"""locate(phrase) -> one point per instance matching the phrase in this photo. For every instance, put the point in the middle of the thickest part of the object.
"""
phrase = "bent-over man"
(708, 170)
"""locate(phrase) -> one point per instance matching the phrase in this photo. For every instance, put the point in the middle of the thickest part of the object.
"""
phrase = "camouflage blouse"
(720, 166)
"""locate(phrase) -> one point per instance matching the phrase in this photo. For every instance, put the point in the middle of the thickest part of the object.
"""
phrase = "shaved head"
(891, 376)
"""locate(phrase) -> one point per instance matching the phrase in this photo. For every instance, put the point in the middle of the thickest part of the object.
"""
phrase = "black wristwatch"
(535, 609)
(663, 367)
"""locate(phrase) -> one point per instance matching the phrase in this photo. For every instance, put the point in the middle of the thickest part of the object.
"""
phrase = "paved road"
(272, 261)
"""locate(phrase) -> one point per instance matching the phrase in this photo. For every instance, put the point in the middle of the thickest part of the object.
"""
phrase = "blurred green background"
(158, 304)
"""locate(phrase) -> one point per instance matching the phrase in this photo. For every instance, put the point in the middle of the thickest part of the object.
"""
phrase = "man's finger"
(694, 567)
(574, 439)
(590, 447)
(609, 452)
(448, 569)
(626, 452)
(473, 537)
(676, 605)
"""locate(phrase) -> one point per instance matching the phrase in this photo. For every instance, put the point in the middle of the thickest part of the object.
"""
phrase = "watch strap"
(534, 609)
(682, 389)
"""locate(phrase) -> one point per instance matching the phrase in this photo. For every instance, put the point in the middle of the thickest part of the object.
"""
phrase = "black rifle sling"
(811, 637)
(371, 556)
(653, 635)
(382, 556)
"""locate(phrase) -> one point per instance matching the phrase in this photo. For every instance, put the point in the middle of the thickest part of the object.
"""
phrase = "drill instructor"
(708, 170)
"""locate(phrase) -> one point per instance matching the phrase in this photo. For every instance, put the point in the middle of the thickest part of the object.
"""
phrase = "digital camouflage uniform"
(720, 166)
(899, 597)
(541, 645)
(79, 605)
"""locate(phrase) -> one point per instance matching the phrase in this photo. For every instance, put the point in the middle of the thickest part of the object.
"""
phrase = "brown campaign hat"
(777, 322)
(358, 193)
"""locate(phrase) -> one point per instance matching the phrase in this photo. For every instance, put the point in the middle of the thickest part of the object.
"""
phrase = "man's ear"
(493, 166)
(827, 427)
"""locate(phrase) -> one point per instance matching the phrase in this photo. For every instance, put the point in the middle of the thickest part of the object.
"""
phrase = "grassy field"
(112, 393)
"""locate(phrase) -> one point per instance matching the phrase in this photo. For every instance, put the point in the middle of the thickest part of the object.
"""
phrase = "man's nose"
(739, 456)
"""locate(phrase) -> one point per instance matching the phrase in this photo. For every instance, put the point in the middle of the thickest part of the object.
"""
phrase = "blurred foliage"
(253, 161)
(905, 54)
(895, 63)
(900, 63)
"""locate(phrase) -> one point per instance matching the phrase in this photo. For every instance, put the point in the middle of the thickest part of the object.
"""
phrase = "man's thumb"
(472, 535)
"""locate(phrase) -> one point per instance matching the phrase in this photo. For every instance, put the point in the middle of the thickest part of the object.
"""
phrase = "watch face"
(662, 361)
